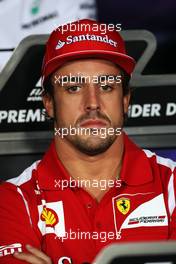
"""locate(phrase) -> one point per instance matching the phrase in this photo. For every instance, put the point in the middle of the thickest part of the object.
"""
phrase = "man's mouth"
(93, 123)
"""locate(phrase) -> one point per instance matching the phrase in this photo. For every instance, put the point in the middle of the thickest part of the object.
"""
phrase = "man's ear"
(48, 104)
(126, 101)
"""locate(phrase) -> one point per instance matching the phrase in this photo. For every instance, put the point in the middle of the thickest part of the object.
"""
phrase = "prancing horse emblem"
(123, 205)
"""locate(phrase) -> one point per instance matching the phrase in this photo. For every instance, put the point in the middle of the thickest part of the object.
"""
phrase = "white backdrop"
(20, 18)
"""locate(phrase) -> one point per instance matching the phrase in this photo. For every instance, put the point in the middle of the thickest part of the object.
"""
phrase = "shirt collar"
(135, 169)
(51, 171)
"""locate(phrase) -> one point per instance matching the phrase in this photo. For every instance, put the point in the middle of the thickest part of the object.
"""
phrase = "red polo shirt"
(72, 227)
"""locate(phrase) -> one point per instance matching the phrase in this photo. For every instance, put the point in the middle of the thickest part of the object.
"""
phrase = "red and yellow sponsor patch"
(50, 217)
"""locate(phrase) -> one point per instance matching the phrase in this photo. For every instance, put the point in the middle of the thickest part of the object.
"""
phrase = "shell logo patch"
(123, 205)
(50, 217)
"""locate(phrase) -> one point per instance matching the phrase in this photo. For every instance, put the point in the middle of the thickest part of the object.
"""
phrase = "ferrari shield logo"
(123, 205)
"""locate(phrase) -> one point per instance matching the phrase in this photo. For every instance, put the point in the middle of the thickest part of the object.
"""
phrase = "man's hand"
(35, 256)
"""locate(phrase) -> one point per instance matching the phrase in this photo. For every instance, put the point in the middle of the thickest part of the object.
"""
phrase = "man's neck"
(105, 166)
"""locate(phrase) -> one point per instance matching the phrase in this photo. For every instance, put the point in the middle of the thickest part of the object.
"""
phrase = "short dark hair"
(125, 82)
(48, 87)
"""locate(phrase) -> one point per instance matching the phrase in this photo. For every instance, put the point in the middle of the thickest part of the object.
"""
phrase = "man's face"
(93, 102)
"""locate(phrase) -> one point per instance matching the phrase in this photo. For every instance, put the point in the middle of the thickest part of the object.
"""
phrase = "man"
(94, 186)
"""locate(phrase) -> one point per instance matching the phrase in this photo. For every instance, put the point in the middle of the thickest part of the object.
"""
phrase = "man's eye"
(105, 88)
(73, 89)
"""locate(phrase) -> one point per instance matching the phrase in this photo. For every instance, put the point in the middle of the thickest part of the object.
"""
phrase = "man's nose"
(92, 99)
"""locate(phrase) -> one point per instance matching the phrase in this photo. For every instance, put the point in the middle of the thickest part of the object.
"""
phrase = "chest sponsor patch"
(51, 219)
(150, 213)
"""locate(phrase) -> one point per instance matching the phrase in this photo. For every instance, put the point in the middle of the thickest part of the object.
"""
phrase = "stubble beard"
(90, 145)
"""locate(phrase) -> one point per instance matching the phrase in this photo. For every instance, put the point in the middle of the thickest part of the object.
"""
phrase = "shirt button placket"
(89, 205)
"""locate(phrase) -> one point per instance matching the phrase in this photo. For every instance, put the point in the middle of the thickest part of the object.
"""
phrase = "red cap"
(84, 39)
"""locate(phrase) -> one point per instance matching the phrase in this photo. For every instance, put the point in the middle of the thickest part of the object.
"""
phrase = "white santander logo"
(87, 37)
